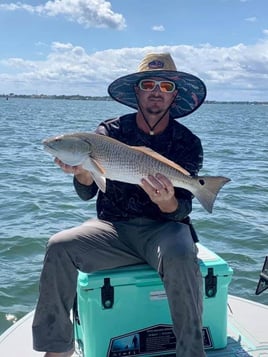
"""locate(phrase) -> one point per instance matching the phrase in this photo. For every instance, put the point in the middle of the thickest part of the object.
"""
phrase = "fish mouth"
(46, 142)
(49, 141)
(48, 147)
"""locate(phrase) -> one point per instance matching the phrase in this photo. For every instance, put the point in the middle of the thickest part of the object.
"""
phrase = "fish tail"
(208, 188)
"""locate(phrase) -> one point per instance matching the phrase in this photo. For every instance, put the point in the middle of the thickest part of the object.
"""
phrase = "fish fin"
(161, 158)
(91, 164)
(209, 186)
(99, 180)
(97, 172)
(97, 166)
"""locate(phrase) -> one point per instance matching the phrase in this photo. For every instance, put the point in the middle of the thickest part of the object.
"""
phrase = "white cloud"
(251, 19)
(158, 28)
(231, 73)
(88, 13)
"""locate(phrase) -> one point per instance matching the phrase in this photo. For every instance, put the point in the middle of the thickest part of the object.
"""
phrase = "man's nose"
(157, 89)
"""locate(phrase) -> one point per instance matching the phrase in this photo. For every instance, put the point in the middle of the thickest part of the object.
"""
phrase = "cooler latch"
(210, 283)
(107, 294)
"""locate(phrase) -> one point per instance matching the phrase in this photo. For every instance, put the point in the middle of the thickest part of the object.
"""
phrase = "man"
(135, 223)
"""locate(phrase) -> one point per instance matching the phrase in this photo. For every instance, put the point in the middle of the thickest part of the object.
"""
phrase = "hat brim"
(191, 90)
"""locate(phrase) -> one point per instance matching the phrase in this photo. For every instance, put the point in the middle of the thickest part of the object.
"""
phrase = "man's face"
(153, 99)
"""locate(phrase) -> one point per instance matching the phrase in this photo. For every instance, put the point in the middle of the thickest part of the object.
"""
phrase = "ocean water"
(37, 199)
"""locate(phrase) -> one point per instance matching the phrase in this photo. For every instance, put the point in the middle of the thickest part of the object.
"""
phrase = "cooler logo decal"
(154, 339)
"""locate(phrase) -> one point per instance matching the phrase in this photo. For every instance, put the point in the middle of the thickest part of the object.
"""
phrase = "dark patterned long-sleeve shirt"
(123, 201)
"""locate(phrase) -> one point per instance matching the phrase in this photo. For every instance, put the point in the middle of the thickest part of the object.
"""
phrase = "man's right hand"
(81, 174)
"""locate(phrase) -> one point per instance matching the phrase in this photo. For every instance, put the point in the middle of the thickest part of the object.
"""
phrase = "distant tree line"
(104, 98)
(62, 96)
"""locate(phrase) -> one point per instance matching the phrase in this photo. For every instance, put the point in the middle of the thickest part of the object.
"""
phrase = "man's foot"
(59, 354)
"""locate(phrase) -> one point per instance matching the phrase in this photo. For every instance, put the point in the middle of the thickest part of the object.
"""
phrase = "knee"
(55, 242)
(56, 249)
(180, 245)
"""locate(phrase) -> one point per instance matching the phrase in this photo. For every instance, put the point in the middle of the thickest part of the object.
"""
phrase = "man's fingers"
(159, 188)
(67, 168)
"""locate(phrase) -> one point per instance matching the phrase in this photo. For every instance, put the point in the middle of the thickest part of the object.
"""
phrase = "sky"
(80, 46)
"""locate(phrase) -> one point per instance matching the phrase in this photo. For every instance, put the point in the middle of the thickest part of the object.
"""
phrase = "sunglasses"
(148, 85)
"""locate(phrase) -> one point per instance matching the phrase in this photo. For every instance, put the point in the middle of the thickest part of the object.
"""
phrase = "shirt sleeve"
(184, 206)
(85, 192)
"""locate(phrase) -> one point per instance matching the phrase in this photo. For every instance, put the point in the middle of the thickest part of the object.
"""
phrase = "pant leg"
(183, 284)
(169, 248)
(90, 247)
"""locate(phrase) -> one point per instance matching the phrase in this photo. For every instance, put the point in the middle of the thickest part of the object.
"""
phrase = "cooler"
(124, 311)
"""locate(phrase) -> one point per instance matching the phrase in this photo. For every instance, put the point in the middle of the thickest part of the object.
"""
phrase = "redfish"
(107, 158)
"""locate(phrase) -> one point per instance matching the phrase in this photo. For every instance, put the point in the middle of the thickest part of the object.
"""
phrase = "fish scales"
(125, 165)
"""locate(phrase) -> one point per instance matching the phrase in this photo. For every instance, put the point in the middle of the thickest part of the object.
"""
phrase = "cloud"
(231, 73)
(88, 13)
(158, 28)
(251, 19)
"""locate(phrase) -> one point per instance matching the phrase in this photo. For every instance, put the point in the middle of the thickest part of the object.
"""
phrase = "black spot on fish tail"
(201, 181)
(208, 188)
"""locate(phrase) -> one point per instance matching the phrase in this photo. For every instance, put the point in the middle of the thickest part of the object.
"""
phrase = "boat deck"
(247, 329)
(247, 333)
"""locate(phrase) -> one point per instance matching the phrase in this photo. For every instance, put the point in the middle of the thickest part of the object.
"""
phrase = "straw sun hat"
(191, 90)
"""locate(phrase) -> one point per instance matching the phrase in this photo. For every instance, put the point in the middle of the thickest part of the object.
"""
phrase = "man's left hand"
(161, 191)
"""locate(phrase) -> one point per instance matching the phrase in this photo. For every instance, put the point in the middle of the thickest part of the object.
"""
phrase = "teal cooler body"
(124, 311)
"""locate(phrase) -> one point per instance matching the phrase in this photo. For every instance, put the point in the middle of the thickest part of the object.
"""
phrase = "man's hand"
(81, 174)
(161, 191)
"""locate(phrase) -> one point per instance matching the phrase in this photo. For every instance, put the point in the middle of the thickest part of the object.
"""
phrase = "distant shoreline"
(62, 96)
(105, 98)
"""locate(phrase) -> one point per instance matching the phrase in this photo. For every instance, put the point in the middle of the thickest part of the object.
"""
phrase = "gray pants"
(96, 245)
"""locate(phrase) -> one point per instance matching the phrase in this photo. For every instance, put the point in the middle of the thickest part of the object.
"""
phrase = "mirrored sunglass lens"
(167, 86)
(147, 85)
